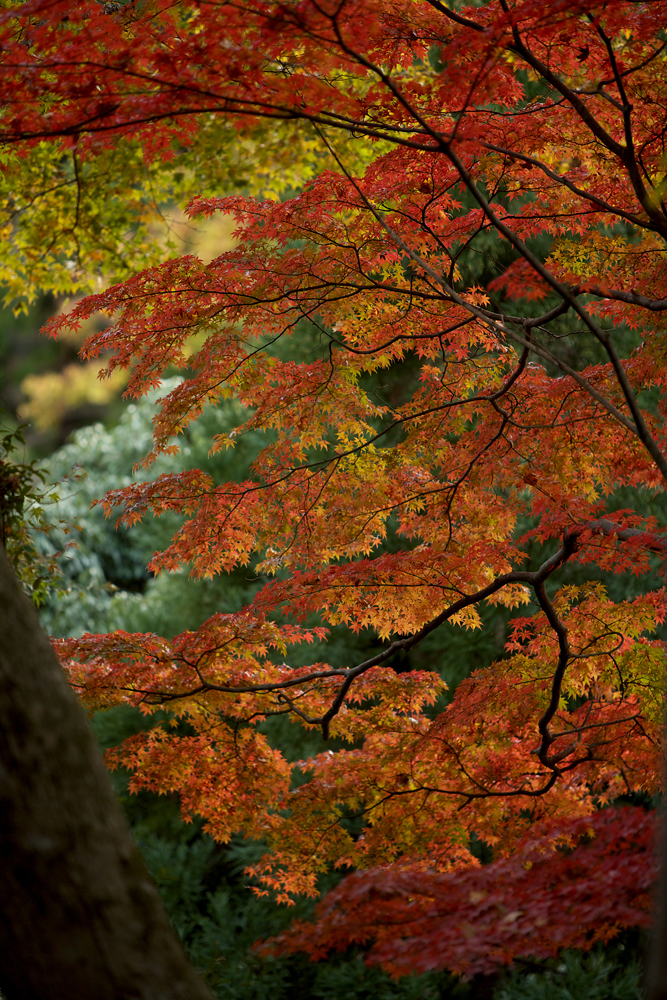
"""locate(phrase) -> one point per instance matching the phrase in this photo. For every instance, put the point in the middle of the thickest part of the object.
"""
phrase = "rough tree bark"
(79, 916)
(656, 964)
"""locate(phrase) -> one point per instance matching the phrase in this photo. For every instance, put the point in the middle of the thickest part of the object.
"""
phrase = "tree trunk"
(656, 973)
(656, 965)
(79, 916)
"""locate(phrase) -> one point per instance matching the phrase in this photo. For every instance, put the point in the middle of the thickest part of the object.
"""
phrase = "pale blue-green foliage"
(610, 974)
(111, 587)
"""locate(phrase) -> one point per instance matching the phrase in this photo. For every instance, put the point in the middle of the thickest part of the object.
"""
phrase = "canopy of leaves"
(450, 342)
(473, 921)
(202, 883)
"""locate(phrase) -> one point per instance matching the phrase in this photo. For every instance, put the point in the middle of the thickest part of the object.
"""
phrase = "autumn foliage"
(552, 893)
(452, 342)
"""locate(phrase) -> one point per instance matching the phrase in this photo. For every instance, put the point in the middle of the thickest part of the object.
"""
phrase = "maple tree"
(479, 246)
(473, 922)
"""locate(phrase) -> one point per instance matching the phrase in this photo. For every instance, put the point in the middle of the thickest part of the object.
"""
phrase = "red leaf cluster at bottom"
(579, 882)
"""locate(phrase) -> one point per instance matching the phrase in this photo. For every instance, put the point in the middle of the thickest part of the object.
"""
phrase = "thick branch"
(631, 297)
(557, 680)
